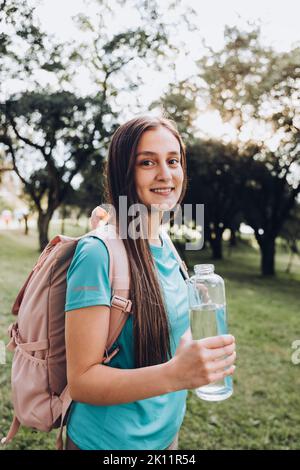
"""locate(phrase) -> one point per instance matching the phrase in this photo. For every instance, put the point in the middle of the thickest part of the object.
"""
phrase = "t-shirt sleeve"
(88, 275)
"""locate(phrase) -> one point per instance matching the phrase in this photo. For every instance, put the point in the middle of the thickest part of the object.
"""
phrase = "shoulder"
(90, 246)
(88, 280)
(91, 253)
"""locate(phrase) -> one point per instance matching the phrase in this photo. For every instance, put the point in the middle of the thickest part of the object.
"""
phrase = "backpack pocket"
(30, 390)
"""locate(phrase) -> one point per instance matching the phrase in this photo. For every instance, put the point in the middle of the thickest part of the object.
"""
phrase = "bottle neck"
(204, 268)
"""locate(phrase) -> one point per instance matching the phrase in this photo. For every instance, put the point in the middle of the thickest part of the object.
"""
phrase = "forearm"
(103, 385)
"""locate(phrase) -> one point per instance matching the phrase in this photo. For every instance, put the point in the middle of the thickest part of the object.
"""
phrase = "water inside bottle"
(210, 320)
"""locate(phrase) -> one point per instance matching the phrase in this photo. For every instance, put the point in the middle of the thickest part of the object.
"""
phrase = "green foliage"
(247, 80)
(24, 47)
(250, 83)
(48, 121)
(5, 205)
(179, 104)
(217, 175)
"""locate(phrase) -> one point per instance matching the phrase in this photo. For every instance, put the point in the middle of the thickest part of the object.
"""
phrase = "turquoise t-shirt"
(149, 424)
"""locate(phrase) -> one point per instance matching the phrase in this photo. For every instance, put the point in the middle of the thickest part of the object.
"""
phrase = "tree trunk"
(26, 224)
(293, 249)
(216, 246)
(63, 219)
(289, 266)
(267, 248)
(43, 227)
(233, 240)
(62, 230)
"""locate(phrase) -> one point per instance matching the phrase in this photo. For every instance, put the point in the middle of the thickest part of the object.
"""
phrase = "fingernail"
(229, 337)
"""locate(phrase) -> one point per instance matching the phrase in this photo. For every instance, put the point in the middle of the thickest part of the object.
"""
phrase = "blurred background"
(228, 73)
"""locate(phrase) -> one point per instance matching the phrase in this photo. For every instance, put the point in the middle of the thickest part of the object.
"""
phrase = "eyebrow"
(149, 153)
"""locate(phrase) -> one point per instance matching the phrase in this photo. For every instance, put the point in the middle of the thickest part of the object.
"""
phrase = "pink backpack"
(38, 377)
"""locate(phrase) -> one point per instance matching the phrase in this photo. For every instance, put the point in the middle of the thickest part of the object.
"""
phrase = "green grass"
(264, 316)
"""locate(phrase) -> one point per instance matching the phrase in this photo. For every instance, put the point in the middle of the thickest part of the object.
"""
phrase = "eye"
(172, 161)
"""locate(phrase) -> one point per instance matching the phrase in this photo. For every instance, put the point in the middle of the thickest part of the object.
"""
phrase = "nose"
(164, 172)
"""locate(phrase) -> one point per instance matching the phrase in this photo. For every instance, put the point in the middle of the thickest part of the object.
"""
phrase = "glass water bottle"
(207, 302)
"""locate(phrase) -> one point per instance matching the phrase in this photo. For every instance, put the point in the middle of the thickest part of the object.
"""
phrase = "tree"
(179, 104)
(254, 86)
(20, 40)
(53, 135)
(26, 50)
(217, 179)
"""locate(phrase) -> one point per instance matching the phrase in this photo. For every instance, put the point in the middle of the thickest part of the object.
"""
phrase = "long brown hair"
(150, 324)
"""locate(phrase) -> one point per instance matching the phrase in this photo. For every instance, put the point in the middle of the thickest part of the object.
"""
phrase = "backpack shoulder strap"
(119, 276)
(182, 265)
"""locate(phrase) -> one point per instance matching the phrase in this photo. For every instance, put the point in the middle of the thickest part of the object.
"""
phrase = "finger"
(102, 213)
(187, 335)
(221, 365)
(94, 219)
(98, 215)
(218, 353)
(214, 342)
(204, 292)
(99, 212)
(220, 375)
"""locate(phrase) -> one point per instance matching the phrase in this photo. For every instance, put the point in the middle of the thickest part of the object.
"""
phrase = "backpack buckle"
(12, 330)
(108, 357)
(13, 334)
(121, 303)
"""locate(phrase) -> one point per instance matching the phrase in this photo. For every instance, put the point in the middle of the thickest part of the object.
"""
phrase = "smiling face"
(158, 167)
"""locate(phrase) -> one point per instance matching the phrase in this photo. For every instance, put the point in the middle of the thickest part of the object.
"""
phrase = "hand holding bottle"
(200, 362)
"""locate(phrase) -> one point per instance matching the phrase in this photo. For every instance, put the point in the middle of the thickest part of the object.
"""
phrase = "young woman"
(138, 401)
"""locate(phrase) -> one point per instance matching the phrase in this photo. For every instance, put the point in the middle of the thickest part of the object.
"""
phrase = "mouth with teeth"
(162, 191)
